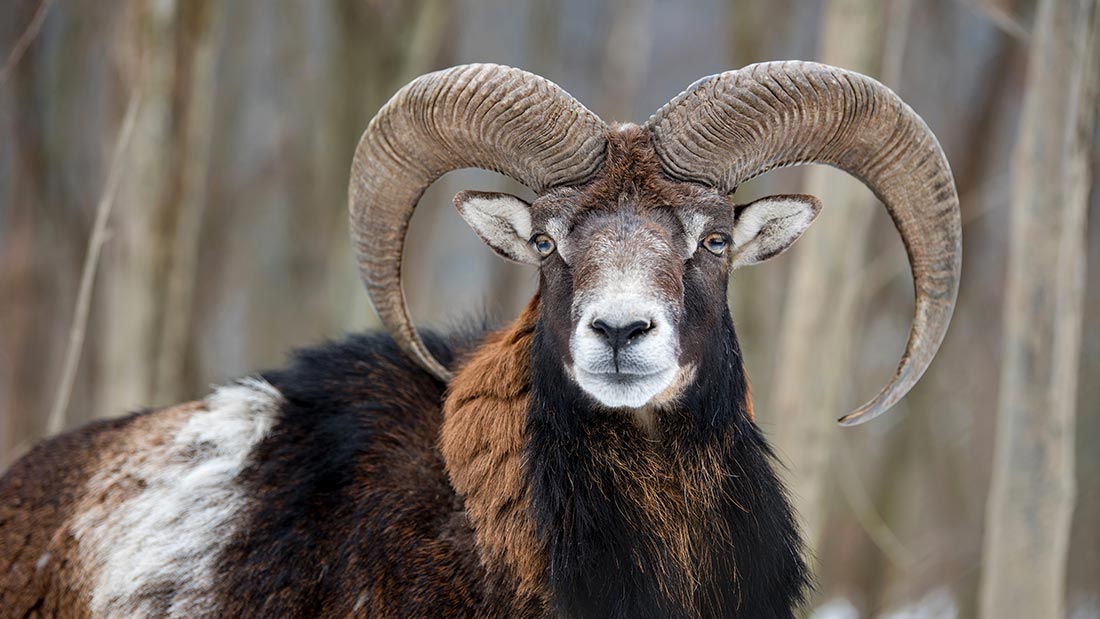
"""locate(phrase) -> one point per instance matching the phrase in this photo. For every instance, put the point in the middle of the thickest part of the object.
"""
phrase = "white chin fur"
(624, 391)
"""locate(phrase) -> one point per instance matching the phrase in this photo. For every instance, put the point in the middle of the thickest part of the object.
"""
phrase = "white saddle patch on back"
(154, 520)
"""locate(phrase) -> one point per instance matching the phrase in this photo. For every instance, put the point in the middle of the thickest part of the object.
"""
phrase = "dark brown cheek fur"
(707, 280)
(556, 305)
(705, 306)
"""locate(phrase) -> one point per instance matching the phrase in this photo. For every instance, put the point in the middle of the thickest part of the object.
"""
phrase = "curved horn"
(471, 116)
(728, 128)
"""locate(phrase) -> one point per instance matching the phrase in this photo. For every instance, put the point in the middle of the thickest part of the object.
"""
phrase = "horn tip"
(435, 368)
(868, 411)
(858, 417)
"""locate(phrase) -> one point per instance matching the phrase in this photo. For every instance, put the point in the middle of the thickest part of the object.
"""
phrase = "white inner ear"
(501, 220)
(769, 226)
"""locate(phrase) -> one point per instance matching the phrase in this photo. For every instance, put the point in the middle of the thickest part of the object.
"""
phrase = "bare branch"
(868, 517)
(1002, 19)
(25, 39)
(56, 420)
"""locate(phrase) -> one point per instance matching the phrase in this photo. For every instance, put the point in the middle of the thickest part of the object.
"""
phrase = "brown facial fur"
(482, 440)
(631, 167)
(631, 211)
(626, 237)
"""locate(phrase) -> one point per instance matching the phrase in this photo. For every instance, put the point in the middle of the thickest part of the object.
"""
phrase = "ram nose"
(619, 334)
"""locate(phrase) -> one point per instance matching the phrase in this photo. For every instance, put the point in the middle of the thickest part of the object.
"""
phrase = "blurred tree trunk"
(196, 53)
(130, 285)
(816, 333)
(1032, 496)
(149, 269)
(1083, 588)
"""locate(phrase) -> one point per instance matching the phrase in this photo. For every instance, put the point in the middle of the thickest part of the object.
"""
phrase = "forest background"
(201, 150)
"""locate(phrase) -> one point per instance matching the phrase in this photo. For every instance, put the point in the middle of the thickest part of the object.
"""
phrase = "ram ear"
(502, 220)
(768, 226)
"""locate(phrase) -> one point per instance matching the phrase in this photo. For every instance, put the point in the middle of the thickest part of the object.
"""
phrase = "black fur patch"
(352, 512)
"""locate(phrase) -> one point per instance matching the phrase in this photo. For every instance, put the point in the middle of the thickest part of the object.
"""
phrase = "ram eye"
(543, 244)
(716, 243)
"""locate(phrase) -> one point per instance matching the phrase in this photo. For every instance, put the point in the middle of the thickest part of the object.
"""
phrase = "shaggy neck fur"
(482, 440)
(579, 508)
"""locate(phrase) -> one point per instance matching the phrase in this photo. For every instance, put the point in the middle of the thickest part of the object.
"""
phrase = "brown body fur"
(40, 496)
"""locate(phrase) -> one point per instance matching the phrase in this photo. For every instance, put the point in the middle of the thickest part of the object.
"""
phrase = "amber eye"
(543, 244)
(716, 243)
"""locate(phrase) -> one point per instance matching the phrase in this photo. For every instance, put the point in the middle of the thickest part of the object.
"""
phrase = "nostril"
(608, 331)
(602, 327)
(637, 327)
(619, 335)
